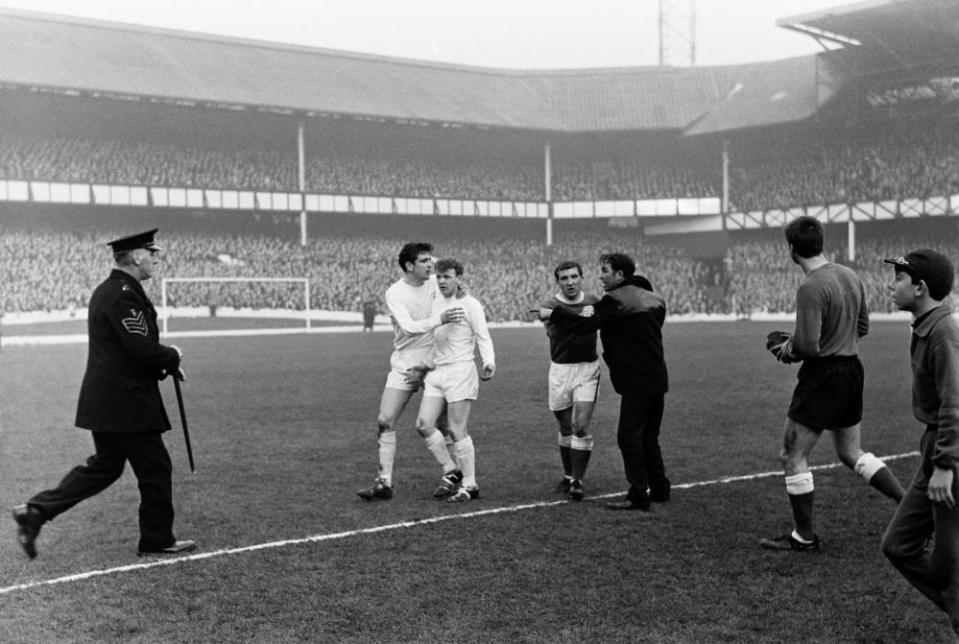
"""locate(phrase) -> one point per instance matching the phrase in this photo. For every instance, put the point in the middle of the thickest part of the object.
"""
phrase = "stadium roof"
(896, 34)
(95, 57)
(781, 91)
(875, 47)
(916, 39)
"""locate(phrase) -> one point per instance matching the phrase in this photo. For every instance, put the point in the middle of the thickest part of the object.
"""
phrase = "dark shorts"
(828, 394)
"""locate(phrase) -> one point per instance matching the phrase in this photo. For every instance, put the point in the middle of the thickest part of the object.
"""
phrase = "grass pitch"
(284, 434)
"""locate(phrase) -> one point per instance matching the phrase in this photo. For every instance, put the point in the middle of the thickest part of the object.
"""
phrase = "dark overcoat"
(630, 320)
(120, 391)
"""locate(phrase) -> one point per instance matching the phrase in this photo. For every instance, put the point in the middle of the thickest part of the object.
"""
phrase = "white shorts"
(453, 382)
(569, 383)
(400, 361)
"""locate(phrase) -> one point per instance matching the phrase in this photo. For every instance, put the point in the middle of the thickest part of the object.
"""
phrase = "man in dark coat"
(120, 403)
(630, 318)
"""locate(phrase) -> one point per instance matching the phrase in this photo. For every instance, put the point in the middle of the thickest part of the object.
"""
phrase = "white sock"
(466, 458)
(584, 443)
(387, 443)
(799, 483)
(449, 446)
(436, 444)
(867, 466)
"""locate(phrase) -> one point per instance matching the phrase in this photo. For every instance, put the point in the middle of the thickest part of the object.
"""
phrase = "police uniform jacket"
(120, 390)
(629, 318)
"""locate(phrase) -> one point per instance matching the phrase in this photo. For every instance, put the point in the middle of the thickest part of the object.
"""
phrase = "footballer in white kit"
(410, 302)
(452, 380)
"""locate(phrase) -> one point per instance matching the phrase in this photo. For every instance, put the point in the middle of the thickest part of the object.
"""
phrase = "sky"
(512, 34)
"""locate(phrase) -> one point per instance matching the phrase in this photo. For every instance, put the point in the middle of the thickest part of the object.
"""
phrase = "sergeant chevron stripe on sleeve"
(135, 324)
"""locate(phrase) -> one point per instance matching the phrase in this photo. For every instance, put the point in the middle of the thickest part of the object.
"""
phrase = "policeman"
(120, 403)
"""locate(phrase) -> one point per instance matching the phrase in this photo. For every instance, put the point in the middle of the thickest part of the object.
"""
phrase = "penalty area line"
(318, 538)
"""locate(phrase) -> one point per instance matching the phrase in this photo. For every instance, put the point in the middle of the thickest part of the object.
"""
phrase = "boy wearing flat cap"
(120, 404)
(928, 514)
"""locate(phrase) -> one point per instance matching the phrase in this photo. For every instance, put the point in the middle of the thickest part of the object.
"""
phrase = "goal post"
(235, 280)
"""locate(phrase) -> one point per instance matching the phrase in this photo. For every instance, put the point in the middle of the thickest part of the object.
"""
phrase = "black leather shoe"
(177, 548)
(659, 497)
(29, 520)
(627, 505)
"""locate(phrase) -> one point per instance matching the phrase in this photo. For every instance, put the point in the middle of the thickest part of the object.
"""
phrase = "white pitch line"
(156, 563)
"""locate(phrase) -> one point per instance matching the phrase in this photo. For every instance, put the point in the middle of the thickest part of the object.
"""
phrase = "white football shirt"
(412, 314)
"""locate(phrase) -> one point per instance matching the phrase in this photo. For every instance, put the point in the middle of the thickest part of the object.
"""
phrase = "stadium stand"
(791, 135)
(505, 273)
(145, 163)
(894, 160)
(45, 270)
(150, 164)
(762, 279)
(915, 159)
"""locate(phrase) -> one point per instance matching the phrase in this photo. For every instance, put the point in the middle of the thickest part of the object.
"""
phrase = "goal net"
(237, 304)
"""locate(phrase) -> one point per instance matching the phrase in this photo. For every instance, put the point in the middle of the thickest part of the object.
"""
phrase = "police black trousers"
(151, 464)
(640, 418)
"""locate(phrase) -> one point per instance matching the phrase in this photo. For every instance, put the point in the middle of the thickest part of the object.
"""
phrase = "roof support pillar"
(301, 172)
(724, 206)
(851, 239)
(548, 188)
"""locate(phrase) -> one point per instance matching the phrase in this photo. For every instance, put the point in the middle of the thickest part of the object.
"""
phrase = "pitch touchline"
(385, 528)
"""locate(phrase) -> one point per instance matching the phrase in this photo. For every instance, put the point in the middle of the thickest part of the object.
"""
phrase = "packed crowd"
(766, 171)
(454, 178)
(907, 161)
(124, 162)
(264, 168)
(762, 278)
(506, 274)
(627, 178)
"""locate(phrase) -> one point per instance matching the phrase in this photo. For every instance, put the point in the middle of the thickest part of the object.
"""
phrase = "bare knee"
(798, 441)
(423, 428)
(790, 460)
(564, 422)
(849, 457)
(385, 424)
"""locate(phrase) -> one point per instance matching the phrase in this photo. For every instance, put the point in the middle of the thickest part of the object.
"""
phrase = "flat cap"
(934, 268)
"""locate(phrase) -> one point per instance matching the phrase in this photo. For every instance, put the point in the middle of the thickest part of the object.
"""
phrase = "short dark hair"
(805, 234)
(564, 266)
(619, 262)
(123, 257)
(446, 263)
(411, 252)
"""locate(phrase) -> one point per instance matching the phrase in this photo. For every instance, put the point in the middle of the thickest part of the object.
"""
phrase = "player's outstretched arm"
(574, 322)
(401, 316)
